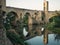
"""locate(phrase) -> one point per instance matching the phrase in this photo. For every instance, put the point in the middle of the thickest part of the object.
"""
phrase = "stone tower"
(45, 6)
(2, 31)
(46, 10)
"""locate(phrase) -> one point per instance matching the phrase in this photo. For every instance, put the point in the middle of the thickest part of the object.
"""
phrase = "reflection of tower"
(45, 37)
(46, 10)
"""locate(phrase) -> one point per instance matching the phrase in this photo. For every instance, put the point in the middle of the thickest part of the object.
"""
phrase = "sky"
(33, 4)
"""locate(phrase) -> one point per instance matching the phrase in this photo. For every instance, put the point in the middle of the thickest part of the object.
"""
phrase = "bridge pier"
(38, 30)
(29, 20)
(30, 30)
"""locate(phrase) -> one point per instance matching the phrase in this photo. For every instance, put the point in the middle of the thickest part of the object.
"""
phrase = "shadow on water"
(46, 38)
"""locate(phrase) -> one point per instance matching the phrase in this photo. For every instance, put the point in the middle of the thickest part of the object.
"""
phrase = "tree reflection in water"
(57, 37)
(47, 37)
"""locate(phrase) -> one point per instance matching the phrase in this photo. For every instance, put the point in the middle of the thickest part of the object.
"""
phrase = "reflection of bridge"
(39, 33)
(35, 31)
(31, 31)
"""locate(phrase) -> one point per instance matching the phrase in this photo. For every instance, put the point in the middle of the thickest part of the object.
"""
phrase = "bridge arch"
(26, 18)
(12, 14)
(27, 14)
(12, 17)
(53, 17)
(55, 20)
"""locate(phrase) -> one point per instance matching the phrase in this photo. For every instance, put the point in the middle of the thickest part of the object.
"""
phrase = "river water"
(49, 39)
(38, 40)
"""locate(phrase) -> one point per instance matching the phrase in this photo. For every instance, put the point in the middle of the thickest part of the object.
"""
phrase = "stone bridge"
(49, 15)
(35, 16)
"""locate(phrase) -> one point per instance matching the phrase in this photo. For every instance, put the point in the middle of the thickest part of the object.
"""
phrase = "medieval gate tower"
(46, 10)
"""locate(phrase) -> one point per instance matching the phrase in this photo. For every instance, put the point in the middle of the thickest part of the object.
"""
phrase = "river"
(38, 40)
(44, 39)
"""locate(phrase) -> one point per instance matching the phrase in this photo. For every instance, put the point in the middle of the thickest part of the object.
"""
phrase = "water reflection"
(25, 32)
(42, 38)
(45, 38)
(57, 37)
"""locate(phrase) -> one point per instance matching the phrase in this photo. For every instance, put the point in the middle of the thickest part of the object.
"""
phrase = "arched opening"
(12, 15)
(55, 20)
(10, 20)
(25, 18)
(54, 24)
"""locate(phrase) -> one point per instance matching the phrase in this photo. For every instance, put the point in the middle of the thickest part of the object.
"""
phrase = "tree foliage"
(16, 35)
(25, 19)
(54, 23)
(55, 20)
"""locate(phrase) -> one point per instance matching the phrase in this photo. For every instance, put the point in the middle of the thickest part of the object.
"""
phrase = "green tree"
(55, 20)
(54, 23)
(25, 18)
(16, 35)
